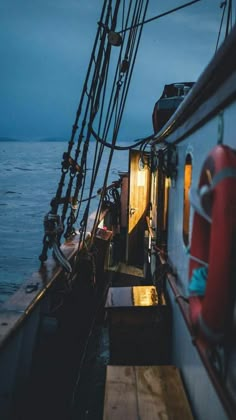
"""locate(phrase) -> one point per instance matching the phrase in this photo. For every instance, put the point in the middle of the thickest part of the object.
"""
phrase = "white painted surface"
(204, 400)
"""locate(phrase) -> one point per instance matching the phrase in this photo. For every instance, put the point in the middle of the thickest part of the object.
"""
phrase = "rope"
(91, 104)
(98, 94)
(132, 146)
(228, 18)
(106, 124)
(160, 16)
(75, 125)
(97, 77)
(116, 132)
(134, 50)
(223, 4)
(66, 163)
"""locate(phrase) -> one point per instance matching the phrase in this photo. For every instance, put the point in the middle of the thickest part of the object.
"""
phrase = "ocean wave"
(26, 199)
(23, 169)
(8, 288)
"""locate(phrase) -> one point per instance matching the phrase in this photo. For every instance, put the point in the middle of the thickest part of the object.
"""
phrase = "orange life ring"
(214, 226)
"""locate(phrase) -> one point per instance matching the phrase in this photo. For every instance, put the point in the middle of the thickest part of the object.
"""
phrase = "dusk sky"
(45, 47)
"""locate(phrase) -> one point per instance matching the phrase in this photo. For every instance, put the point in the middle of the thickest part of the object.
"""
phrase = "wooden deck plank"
(145, 393)
(160, 393)
(120, 394)
(150, 395)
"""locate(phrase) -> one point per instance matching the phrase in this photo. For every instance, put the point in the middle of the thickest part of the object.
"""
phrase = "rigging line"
(132, 68)
(110, 158)
(99, 207)
(96, 136)
(98, 211)
(74, 129)
(103, 72)
(78, 113)
(96, 77)
(133, 35)
(106, 129)
(109, 108)
(129, 46)
(132, 146)
(89, 102)
(87, 199)
(116, 111)
(81, 193)
(114, 87)
(116, 79)
(134, 20)
(97, 93)
(68, 194)
(105, 180)
(71, 142)
(161, 15)
(221, 23)
(123, 15)
(114, 21)
(228, 18)
(97, 163)
(93, 182)
(100, 152)
(102, 106)
(107, 123)
(100, 87)
(115, 99)
(97, 154)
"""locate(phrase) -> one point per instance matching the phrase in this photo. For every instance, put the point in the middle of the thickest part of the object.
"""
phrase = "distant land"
(8, 139)
(49, 139)
(54, 139)
(46, 139)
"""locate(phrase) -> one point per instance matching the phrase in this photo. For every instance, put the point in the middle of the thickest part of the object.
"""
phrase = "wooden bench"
(145, 393)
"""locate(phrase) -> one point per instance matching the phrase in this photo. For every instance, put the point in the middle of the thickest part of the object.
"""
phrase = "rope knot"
(53, 226)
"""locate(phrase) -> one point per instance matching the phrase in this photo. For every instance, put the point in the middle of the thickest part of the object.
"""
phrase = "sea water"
(29, 175)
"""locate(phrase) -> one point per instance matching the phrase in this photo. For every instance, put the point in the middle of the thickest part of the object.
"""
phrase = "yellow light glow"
(145, 296)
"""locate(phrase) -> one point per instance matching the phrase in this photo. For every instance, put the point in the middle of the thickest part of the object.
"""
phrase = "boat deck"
(88, 395)
(131, 329)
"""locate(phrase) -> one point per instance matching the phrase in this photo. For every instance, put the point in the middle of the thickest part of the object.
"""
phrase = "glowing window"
(186, 209)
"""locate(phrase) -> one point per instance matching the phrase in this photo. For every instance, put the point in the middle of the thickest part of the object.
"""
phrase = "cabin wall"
(185, 355)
